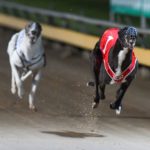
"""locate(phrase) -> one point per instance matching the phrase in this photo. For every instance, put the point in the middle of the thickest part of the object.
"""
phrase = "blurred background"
(91, 17)
(123, 12)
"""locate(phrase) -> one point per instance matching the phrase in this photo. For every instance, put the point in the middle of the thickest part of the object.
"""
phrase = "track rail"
(81, 40)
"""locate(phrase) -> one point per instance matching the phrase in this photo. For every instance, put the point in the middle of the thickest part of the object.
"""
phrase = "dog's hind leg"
(96, 63)
(35, 81)
(97, 97)
(117, 105)
(13, 83)
(16, 79)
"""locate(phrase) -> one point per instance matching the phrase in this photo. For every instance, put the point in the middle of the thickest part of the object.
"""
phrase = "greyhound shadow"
(132, 117)
(72, 134)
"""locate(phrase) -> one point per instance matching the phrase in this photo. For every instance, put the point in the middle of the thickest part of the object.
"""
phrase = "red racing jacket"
(108, 40)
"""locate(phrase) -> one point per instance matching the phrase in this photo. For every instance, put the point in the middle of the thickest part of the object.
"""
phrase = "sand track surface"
(65, 120)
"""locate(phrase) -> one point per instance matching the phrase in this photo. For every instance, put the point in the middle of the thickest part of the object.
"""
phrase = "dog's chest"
(117, 63)
(29, 54)
(29, 51)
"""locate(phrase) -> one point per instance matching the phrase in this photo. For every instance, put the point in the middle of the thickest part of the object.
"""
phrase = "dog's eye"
(34, 32)
(133, 37)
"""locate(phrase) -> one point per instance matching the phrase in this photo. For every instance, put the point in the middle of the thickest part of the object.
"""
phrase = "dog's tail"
(12, 44)
(90, 83)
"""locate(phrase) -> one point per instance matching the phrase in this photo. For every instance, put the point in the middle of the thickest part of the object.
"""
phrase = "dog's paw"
(32, 108)
(94, 105)
(118, 111)
(116, 108)
(13, 90)
(91, 83)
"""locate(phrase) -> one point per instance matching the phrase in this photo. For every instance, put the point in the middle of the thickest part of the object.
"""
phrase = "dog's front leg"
(117, 105)
(26, 75)
(16, 79)
(35, 81)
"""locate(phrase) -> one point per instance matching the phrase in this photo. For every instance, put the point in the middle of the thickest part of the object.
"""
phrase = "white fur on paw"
(118, 111)
(94, 105)
(13, 90)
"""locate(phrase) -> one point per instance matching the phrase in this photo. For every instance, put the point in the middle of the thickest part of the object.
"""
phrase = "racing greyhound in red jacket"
(114, 62)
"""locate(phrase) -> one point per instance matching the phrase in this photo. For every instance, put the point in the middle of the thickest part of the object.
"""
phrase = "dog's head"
(128, 36)
(33, 31)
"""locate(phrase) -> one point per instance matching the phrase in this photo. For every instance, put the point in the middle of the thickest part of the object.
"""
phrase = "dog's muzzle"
(131, 42)
(131, 35)
(131, 45)
(33, 39)
(33, 36)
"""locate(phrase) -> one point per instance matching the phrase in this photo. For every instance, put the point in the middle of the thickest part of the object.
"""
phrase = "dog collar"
(108, 40)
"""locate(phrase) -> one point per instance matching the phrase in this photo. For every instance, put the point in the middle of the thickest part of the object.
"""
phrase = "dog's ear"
(28, 26)
(39, 26)
(122, 32)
